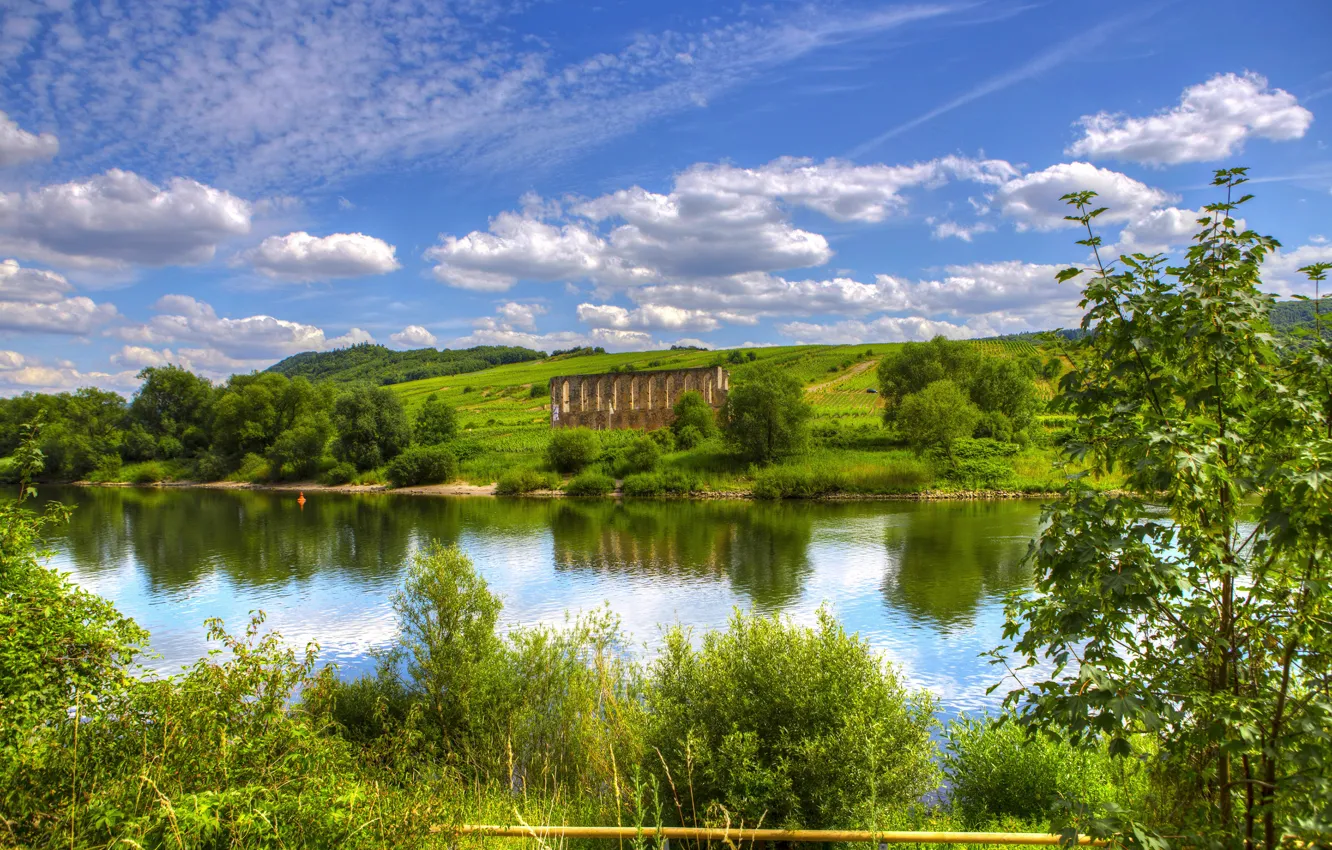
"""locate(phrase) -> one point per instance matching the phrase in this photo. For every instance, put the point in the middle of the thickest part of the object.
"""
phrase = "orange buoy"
(300, 500)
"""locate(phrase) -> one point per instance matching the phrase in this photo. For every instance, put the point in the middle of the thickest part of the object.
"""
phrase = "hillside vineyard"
(620, 400)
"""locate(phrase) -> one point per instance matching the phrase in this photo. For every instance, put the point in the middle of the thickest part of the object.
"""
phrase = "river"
(923, 582)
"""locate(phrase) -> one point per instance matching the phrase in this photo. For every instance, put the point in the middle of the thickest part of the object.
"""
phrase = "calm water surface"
(922, 581)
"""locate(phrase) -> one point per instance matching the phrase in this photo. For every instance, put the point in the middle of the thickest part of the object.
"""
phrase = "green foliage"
(339, 473)
(787, 725)
(643, 454)
(1190, 608)
(571, 449)
(371, 426)
(148, 472)
(251, 413)
(669, 482)
(995, 768)
(375, 364)
(1004, 386)
(172, 406)
(688, 437)
(938, 415)
(691, 411)
(980, 464)
(912, 367)
(589, 483)
(422, 465)
(519, 481)
(796, 482)
(436, 422)
(766, 415)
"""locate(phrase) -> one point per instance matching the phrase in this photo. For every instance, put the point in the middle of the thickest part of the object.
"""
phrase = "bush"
(538, 391)
(589, 484)
(436, 422)
(996, 769)
(149, 472)
(981, 464)
(670, 482)
(796, 482)
(422, 465)
(518, 481)
(339, 473)
(688, 438)
(795, 726)
(571, 449)
(664, 438)
(252, 468)
(691, 410)
(766, 415)
(642, 455)
(939, 415)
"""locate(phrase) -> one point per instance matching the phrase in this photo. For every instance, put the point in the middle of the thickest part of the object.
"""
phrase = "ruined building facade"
(630, 399)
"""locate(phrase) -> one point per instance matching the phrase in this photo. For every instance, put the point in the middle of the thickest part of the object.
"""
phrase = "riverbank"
(462, 489)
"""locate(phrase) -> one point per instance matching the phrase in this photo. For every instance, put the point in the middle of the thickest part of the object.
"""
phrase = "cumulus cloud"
(19, 374)
(950, 229)
(18, 145)
(39, 301)
(520, 315)
(413, 336)
(251, 339)
(302, 257)
(717, 220)
(651, 317)
(1281, 273)
(119, 219)
(882, 329)
(1211, 122)
(1158, 231)
(1033, 200)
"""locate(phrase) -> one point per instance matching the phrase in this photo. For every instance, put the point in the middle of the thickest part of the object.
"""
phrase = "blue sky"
(221, 185)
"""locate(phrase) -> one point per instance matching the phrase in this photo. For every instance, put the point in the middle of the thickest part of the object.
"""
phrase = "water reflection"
(921, 581)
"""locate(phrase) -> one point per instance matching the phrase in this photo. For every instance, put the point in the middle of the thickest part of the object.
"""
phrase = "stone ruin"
(640, 400)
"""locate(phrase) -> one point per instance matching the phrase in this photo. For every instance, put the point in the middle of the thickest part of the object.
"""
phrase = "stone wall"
(630, 399)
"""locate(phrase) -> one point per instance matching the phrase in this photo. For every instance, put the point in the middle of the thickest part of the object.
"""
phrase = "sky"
(222, 185)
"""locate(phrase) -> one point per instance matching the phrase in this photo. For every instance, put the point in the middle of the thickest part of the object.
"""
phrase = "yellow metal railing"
(738, 835)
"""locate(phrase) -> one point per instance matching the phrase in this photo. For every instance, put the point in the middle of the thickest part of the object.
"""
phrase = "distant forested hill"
(1290, 315)
(379, 365)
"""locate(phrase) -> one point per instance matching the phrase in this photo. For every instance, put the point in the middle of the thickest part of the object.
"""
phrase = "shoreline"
(488, 490)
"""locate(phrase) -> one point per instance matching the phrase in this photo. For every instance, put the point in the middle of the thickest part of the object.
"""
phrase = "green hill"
(379, 365)
(1292, 315)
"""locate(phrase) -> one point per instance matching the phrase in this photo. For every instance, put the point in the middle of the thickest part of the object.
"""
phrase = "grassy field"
(505, 427)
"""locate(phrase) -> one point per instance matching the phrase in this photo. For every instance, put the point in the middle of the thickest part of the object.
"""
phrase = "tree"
(1189, 607)
(436, 422)
(1004, 386)
(571, 449)
(371, 426)
(173, 406)
(912, 367)
(692, 411)
(939, 415)
(766, 415)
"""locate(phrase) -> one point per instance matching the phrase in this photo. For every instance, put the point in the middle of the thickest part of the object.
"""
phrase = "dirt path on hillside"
(845, 376)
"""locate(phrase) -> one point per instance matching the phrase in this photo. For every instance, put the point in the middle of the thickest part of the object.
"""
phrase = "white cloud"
(1281, 273)
(252, 339)
(1158, 231)
(717, 220)
(39, 301)
(756, 295)
(141, 356)
(117, 219)
(520, 315)
(614, 340)
(1034, 199)
(413, 336)
(652, 317)
(950, 229)
(1212, 121)
(18, 145)
(302, 257)
(882, 329)
(19, 374)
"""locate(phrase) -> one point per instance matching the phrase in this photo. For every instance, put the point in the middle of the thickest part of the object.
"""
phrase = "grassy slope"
(508, 429)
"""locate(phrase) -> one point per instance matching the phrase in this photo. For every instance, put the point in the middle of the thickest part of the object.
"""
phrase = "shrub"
(571, 449)
(691, 410)
(252, 467)
(793, 725)
(422, 465)
(339, 473)
(981, 464)
(766, 415)
(939, 415)
(518, 481)
(670, 482)
(148, 472)
(664, 438)
(688, 438)
(589, 484)
(538, 391)
(795, 482)
(642, 455)
(996, 769)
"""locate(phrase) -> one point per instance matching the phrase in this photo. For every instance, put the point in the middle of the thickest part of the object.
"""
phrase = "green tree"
(436, 422)
(371, 426)
(938, 415)
(173, 405)
(1190, 607)
(691, 411)
(1004, 386)
(912, 367)
(765, 415)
